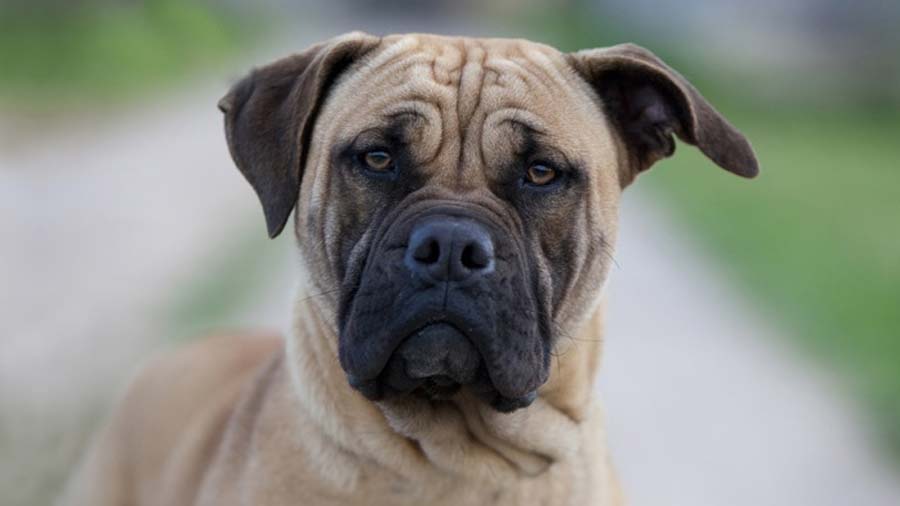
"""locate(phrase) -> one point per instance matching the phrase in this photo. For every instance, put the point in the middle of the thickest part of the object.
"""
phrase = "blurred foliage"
(235, 276)
(815, 237)
(62, 53)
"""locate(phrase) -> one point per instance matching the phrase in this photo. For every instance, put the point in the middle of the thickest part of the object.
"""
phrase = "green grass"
(816, 238)
(100, 51)
(236, 274)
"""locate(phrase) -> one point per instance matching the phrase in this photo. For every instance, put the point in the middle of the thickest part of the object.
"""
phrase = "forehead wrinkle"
(535, 77)
(401, 72)
(509, 117)
(393, 51)
(446, 61)
(516, 118)
(470, 162)
(421, 109)
(405, 78)
(442, 84)
(397, 60)
(374, 65)
(523, 120)
(540, 63)
(427, 122)
(463, 84)
(471, 82)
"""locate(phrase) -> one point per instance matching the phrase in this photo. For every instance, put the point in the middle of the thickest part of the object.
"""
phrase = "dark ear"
(269, 118)
(648, 102)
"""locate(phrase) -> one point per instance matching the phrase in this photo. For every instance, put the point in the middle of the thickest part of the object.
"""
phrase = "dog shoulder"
(171, 416)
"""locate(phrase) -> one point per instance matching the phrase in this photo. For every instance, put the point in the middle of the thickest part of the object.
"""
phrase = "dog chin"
(435, 363)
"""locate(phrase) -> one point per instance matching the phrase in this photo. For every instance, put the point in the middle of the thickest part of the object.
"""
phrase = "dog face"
(459, 196)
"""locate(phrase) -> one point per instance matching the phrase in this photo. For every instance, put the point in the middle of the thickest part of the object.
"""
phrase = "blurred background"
(753, 343)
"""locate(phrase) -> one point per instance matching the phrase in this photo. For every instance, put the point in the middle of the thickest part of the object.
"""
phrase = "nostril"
(449, 249)
(475, 257)
(427, 252)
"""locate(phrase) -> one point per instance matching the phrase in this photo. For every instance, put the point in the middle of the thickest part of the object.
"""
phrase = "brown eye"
(378, 161)
(540, 175)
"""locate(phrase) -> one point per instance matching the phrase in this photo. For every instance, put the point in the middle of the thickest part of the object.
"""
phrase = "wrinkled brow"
(532, 141)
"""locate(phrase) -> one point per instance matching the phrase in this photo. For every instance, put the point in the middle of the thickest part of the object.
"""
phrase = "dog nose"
(450, 249)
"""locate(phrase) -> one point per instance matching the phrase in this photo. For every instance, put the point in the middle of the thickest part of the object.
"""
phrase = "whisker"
(350, 286)
(607, 250)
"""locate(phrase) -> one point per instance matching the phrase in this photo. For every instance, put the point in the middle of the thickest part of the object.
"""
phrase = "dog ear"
(270, 114)
(648, 101)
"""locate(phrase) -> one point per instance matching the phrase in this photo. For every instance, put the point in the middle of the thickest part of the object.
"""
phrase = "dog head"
(458, 197)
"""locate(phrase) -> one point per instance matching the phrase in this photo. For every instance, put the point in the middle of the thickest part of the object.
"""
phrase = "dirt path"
(706, 402)
(101, 227)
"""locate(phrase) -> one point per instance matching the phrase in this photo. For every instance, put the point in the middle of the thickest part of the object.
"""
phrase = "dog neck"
(461, 436)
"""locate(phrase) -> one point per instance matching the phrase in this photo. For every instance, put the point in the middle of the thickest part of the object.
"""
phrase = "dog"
(455, 203)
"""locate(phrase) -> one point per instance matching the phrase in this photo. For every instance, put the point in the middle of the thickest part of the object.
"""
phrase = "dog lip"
(505, 404)
(439, 352)
(434, 360)
(364, 375)
(437, 323)
(369, 388)
(456, 363)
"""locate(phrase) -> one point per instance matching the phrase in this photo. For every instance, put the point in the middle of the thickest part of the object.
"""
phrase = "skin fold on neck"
(460, 437)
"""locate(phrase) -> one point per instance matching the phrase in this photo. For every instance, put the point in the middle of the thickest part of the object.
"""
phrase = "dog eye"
(540, 175)
(378, 161)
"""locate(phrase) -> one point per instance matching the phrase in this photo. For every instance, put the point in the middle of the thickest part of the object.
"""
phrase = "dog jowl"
(447, 296)
(460, 194)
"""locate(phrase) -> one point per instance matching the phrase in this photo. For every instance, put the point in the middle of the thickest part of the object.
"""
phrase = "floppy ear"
(269, 118)
(648, 101)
